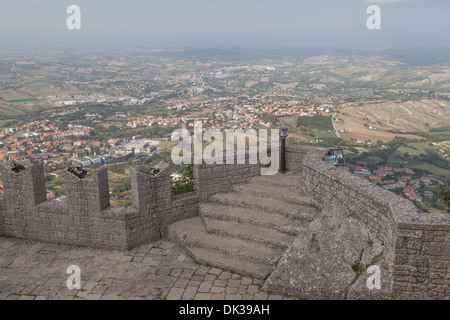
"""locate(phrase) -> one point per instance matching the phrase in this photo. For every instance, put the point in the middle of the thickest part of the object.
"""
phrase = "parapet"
(86, 217)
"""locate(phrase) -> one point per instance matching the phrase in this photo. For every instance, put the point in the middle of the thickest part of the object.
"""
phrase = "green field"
(57, 186)
(318, 122)
(420, 147)
(325, 135)
(374, 159)
(434, 169)
(441, 136)
(403, 150)
(414, 149)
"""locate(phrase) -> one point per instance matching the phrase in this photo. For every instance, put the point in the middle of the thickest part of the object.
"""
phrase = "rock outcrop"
(326, 260)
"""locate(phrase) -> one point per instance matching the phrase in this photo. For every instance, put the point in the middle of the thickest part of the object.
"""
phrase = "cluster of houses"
(38, 140)
(149, 121)
(242, 116)
(410, 187)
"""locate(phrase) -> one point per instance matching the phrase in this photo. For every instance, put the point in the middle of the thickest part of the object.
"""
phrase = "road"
(334, 126)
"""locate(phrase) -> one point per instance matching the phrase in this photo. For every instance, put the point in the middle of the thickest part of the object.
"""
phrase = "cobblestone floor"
(37, 271)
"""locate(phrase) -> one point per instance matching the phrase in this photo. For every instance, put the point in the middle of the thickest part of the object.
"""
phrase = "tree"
(445, 195)
(113, 129)
(186, 182)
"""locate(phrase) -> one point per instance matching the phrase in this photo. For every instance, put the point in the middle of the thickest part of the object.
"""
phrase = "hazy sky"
(224, 23)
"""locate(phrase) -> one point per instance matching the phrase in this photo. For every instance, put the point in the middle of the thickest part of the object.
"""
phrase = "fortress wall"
(184, 206)
(210, 179)
(86, 218)
(422, 258)
(366, 201)
(417, 245)
(53, 222)
(296, 153)
(23, 191)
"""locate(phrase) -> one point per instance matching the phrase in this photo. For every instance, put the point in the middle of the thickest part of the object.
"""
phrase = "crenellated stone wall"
(86, 217)
(152, 201)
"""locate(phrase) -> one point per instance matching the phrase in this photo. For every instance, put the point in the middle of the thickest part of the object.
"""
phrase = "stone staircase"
(248, 229)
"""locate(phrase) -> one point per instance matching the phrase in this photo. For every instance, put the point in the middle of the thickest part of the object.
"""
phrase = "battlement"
(417, 245)
(86, 217)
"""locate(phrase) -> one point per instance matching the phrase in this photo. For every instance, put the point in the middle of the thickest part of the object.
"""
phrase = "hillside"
(384, 118)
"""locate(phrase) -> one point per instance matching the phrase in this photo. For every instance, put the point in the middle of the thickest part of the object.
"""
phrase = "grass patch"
(374, 159)
(317, 122)
(325, 135)
(403, 150)
(420, 147)
(441, 136)
(57, 186)
(434, 169)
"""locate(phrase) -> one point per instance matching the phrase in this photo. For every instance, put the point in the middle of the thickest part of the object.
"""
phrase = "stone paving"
(32, 270)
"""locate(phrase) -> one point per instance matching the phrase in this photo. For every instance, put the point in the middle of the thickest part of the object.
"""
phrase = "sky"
(225, 23)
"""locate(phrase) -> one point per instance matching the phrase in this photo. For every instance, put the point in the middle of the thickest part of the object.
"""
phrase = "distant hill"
(378, 121)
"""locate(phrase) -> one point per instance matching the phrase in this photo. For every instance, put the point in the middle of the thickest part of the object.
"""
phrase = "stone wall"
(417, 245)
(368, 202)
(214, 178)
(422, 258)
(86, 218)
(184, 206)
(296, 153)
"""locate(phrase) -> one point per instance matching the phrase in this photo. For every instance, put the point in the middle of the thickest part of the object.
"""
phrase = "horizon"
(224, 23)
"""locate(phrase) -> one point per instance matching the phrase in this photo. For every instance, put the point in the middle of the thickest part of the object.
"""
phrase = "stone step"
(248, 232)
(242, 200)
(289, 181)
(192, 233)
(275, 192)
(233, 264)
(261, 218)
